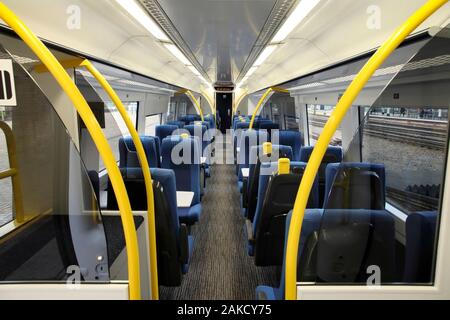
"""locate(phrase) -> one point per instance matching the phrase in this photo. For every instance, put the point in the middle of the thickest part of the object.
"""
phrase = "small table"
(245, 172)
(184, 199)
(203, 160)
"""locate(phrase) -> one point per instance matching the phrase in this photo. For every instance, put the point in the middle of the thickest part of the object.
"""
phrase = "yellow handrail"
(239, 100)
(99, 139)
(197, 104)
(194, 100)
(330, 128)
(143, 161)
(263, 100)
(13, 172)
(213, 106)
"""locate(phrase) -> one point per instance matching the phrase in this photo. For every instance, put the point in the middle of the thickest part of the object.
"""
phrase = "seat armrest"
(249, 226)
(184, 244)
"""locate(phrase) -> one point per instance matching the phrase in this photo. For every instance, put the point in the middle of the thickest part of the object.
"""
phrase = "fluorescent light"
(194, 70)
(141, 16)
(177, 53)
(298, 15)
(264, 55)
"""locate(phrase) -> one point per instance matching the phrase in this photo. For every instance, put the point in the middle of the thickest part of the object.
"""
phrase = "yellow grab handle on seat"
(284, 166)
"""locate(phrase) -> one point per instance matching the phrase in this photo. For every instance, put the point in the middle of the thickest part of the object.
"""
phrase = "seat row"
(346, 199)
(175, 158)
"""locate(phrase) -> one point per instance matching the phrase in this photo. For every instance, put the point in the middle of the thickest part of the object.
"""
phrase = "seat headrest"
(355, 186)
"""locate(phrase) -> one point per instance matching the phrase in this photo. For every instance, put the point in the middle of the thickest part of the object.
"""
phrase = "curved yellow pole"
(330, 128)
(99, 139)
(239, 100)
(145, 169)
(262, 102)
(194, 100)
(213, 106)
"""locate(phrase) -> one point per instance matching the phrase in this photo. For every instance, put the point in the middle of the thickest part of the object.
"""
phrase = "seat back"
(190, 118)
(199, 132)
(170, 235)
(420, 247)
(332, 155)
(165, 131)
(276, 197)
(179, 124)
(128, 153)
(270, 127)
(256, 157)
(347, 244)
(249, 139)
(355, 186)
(183, 157)
(294, 139)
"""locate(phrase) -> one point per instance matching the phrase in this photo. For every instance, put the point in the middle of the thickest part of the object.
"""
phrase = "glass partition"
(62, 238)
(381, 214)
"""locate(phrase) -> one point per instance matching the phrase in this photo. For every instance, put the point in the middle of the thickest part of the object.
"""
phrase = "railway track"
(411, 201)
(424, 133)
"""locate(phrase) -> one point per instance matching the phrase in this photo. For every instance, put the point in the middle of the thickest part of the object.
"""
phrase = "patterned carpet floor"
(220, 268)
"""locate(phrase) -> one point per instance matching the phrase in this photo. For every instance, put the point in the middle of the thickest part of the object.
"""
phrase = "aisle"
(220, 267)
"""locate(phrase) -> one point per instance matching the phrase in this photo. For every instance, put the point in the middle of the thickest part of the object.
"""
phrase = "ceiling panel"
(220, 33)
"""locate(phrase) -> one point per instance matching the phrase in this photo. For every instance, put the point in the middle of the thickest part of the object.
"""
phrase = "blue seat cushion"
(268, 293)
(190, 215)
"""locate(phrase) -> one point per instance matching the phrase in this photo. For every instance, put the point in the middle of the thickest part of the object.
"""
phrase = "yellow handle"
(330, 128)
(145, 169)
(263, 100)
(99, 139)
(284, 166)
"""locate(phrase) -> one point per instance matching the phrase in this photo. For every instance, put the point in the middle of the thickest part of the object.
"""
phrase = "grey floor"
(220, 268)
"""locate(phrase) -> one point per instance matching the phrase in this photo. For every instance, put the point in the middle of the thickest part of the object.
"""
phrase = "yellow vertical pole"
(330, 128)
(92, 125)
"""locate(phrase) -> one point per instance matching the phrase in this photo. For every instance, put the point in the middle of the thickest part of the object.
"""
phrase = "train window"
(115, 127)
(150, 124)
(317, 118)
(386, 195)
(172, 112)
(411, 142)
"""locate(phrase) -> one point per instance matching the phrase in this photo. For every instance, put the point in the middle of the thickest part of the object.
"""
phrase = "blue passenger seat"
(294, 139)
(276, 197)
(350, 239)
(187, 172)
(128, 153)
(257, 156)
(174, 245)
(165, 131)
(332, 155)
(421, 230)
(355, 185)
(179, 124)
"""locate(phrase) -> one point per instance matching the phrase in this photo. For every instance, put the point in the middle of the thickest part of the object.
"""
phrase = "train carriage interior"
(224, 150)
